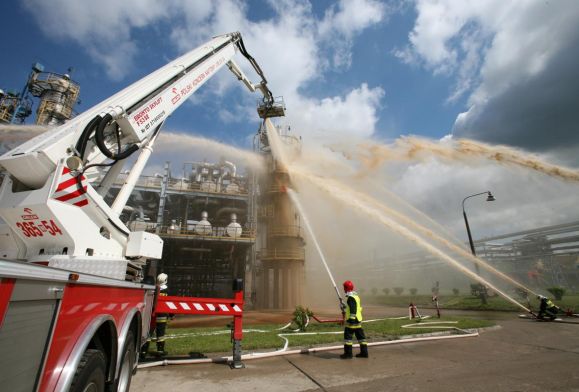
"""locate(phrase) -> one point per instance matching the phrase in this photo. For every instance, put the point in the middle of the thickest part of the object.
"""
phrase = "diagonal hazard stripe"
(81, 203)
(65, 184)
(72, 195)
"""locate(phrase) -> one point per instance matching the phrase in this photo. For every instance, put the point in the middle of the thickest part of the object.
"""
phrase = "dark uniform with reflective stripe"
(354, 326)
(161, 323)
(548, 309)
(161, 320)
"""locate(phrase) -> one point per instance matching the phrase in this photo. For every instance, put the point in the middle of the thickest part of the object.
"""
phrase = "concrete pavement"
(523, 355)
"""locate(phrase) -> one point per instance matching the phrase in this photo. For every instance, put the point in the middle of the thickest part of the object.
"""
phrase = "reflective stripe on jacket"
(353, 310)
(162, 317)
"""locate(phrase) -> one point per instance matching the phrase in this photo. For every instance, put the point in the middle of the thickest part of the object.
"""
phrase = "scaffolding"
(57, 92)
(58, 95)
(13, 108)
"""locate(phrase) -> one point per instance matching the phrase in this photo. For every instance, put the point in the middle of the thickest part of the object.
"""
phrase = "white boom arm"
(53, 211)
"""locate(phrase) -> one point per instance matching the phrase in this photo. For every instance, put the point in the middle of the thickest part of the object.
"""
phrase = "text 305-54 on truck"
(74, 311)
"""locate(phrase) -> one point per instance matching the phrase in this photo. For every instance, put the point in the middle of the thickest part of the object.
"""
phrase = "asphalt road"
(522, 355)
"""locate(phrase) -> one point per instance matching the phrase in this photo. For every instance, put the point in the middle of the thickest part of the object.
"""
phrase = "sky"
(497, 71)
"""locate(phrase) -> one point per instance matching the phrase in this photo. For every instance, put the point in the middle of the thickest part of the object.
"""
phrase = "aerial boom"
(53, 198)
(136, 110)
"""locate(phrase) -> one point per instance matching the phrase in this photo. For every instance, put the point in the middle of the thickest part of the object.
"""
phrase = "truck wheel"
(90, 374)
(127, 363)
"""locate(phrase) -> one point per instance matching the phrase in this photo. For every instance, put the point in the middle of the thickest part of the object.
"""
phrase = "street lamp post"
(490, 197)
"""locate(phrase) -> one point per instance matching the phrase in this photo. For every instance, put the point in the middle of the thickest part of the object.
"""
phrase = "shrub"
(301, 316)
(413, 291)
(558, 292)
(386, 291)
(398, 290)
(374, 291)
(455, 291)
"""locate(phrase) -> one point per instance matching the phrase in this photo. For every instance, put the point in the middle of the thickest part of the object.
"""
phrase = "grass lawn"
(468, 302)
(182, 341)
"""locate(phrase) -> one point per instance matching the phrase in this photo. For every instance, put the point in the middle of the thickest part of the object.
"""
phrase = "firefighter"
(547, 309)
(162, 318)
(353, 317)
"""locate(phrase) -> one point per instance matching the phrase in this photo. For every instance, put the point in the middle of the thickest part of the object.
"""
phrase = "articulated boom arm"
(137, 110)
(51, 187)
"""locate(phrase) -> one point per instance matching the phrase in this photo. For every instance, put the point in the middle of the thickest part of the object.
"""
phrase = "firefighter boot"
(347, 352)
(144, 351)
(161, 348)
(363, 351)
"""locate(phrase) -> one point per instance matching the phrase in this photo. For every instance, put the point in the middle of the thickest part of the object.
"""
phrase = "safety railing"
(213, 232)
(282, 254)
(184, 185)
(6, 114)
(266, 211)
(285, 231)
(277, 188)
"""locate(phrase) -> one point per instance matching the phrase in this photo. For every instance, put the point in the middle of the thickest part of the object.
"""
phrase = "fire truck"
(74, 306)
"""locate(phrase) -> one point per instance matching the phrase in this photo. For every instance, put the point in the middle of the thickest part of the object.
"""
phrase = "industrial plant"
(218, 221)
(57, 95)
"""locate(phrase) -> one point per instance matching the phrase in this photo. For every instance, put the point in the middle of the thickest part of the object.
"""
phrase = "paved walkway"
(523, 356)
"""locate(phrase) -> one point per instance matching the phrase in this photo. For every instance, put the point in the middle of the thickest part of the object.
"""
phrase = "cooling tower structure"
(58, 94)
(281, 254)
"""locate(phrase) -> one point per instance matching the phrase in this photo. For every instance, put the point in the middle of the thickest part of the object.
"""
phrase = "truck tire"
(127, 363)
(90, 373)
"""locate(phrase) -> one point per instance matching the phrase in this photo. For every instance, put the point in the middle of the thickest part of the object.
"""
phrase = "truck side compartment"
(50, 317)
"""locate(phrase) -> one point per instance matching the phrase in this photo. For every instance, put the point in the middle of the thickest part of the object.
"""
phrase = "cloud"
(345, 20)
(515, 60)
(524, 199)
(337, 118)
(103, 28)
(292, 46)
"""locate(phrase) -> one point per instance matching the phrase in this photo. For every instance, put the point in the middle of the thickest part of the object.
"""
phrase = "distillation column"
(282, 253)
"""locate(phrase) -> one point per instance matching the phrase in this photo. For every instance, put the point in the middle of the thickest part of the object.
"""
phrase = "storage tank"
(203, 227)
(234, 229)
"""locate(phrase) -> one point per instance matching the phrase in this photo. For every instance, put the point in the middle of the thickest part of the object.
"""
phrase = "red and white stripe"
(192, 307)
(68, 190)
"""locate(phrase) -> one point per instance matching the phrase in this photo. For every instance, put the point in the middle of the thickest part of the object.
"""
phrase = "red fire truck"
(74, 311)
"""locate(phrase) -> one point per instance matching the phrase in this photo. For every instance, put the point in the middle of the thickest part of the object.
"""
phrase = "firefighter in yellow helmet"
(353, 310)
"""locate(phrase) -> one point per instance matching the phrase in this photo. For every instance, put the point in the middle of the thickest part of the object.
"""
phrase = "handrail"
(285, 231)
(217, 232)
(282, 254)
(184, 185)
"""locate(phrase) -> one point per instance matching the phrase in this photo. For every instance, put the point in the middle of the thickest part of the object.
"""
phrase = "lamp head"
(490, 197)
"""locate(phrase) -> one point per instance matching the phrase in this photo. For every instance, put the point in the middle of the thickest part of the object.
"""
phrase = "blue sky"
(498, 71)
(507, 70)
(413, 100)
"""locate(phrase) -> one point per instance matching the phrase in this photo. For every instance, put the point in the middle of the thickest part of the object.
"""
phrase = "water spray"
(278, 153)
(294, 197)
(373, 155)
(352, 199)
